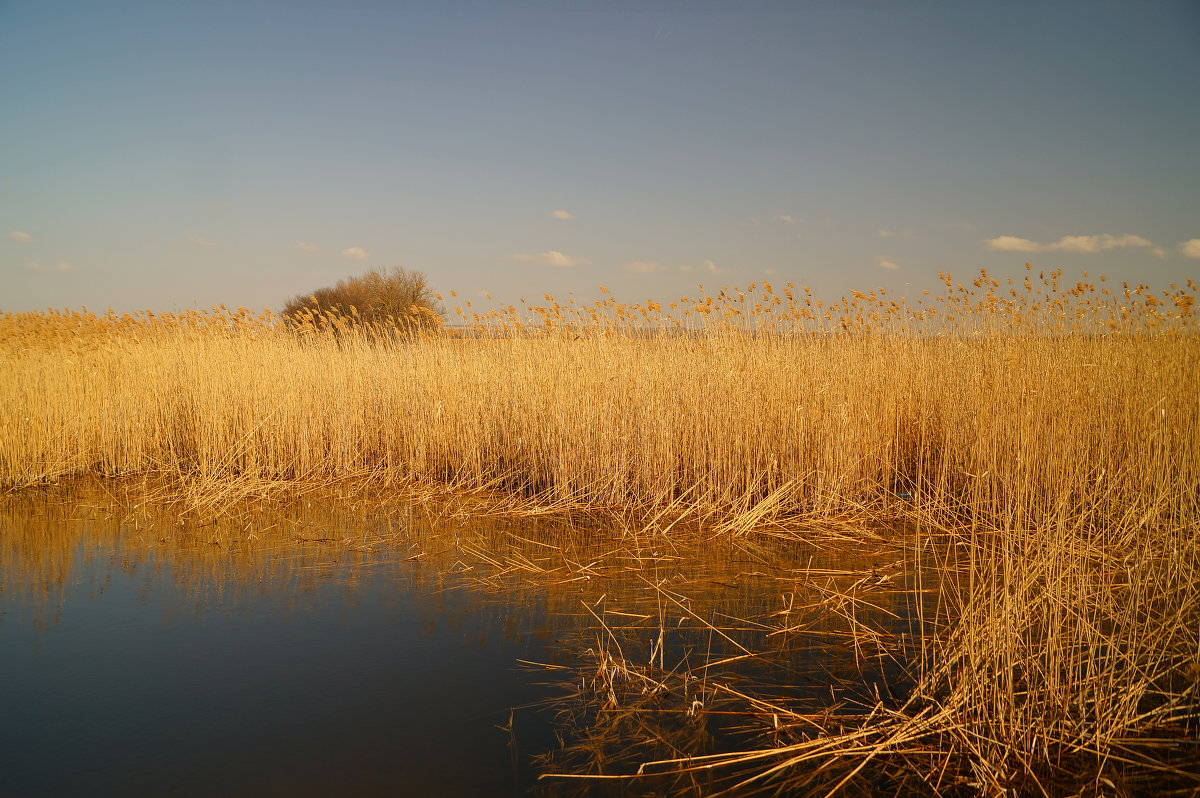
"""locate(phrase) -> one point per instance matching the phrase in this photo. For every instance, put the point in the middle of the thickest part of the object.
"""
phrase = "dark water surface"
(308, 649)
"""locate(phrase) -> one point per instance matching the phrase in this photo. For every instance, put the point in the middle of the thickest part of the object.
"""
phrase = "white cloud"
(307, 247)
(561, 215)
(198, 241)
(354, 253)
(1092, 244)
(1160, 252)
(1013, 244)
(712, 267)
(644, 266)
(1190, 248)
(20, 238)
(1082, 245)
(886, 234)
(884, 263)
(783, 218)
(34, 266)
(551, 258)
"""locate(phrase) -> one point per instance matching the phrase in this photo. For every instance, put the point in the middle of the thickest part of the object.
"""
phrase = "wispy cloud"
(560, 214)
(1190, 248)
(644, 266)
(886, 234)
(551, 258)
(307, 247)
(708, 266)
(200, 242)
(1013, 244)
(1091, 244)
(20, 238)
(354, 253)
(783, 218)
(1082, 245)
(34, 266)
(884, 263)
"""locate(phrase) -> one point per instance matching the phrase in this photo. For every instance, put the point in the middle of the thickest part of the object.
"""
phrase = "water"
(313, 648)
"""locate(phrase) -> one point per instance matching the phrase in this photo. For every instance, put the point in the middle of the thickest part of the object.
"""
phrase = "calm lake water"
(319, 647)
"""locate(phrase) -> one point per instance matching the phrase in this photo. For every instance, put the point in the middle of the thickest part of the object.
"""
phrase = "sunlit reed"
(1049, 432)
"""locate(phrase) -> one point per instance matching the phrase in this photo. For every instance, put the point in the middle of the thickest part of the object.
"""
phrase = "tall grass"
(1051, 430)
(1015, 414)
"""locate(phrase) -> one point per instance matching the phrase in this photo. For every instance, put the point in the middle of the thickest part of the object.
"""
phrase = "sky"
(179, 155)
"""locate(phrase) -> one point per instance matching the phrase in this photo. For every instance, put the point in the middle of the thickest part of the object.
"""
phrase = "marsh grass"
(1039, 442)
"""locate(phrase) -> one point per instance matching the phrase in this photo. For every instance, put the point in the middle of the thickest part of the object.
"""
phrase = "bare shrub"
(381, 298)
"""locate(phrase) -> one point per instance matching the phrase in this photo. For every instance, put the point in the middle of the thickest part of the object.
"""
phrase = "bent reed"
(1044, 437)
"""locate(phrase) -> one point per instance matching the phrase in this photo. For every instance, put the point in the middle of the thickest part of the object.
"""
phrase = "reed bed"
(1039, 441)
(1016, 412)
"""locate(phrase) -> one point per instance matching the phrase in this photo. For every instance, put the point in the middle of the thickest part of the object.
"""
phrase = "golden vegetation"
(748, 404)
(1041, 441)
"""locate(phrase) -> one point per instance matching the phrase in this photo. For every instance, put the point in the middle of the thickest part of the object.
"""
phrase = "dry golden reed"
(1049, 432)
(1011, 409)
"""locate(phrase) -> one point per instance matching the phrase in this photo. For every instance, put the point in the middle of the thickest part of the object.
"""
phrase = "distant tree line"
(381, 298)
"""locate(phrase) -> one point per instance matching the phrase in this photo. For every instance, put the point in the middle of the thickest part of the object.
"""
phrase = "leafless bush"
(383, 298)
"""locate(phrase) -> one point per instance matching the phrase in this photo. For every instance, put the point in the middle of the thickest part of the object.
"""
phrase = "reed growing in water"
(1012, 411)
(1050, 433)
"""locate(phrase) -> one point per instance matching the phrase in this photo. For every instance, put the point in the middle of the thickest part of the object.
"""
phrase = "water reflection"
(318, 646)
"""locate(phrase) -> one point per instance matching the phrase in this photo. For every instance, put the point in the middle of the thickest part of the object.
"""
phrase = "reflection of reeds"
(1003, 701)
(1042, 441)
(798, 679)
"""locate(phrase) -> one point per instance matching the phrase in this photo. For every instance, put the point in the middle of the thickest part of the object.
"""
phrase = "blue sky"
(174, 155)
